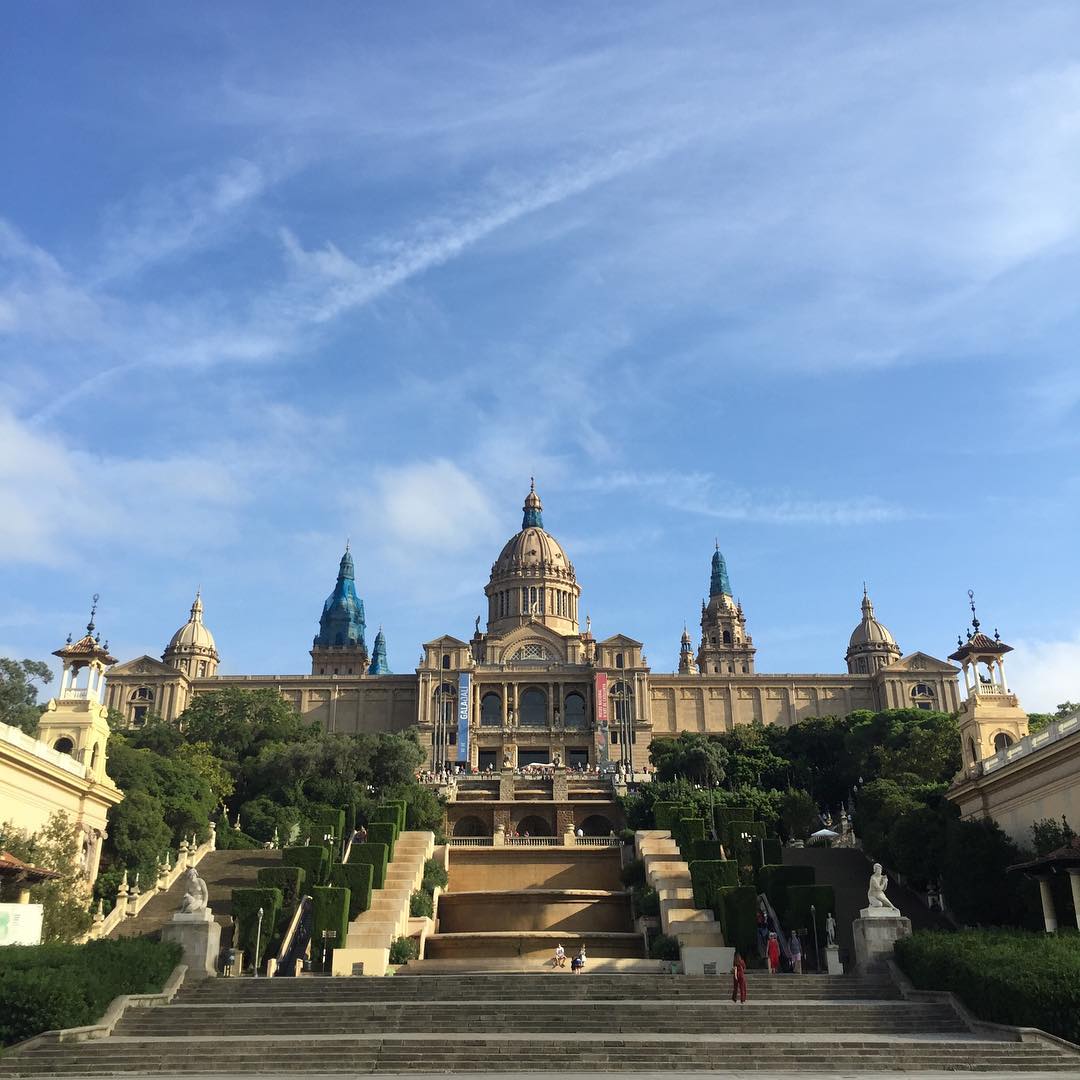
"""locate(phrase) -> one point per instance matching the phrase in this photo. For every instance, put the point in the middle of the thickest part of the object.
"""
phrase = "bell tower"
(990, 717)
(726, 647)
(76, 722)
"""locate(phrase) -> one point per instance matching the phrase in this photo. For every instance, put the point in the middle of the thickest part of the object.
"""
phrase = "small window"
(716, 669)
(727, 637)
(731, 669)
(922, 690)
(144, 693)
(445, 662)
(860, 665)
(618, 659)
(138, 715)
(1002, 741)
(973, 754)
(64, 745)
(746, 669)
(713, 639)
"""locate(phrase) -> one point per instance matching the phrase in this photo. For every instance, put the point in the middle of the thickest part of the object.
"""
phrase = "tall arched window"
(446, 661)
(973, 754)
(922, 696)
(532, 708)
(64, 745)
(727, 637)
(575, 711)
(622, 702)
(1002, 741)
(618, 659)
(491, 710)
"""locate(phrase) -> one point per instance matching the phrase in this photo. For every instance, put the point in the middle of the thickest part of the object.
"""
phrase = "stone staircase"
(372, 931)
(222, 871)
(551, 1023)
(669, 875)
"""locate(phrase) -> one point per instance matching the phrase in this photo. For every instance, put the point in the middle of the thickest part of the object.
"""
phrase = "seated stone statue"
(196, 895)
(876, 893)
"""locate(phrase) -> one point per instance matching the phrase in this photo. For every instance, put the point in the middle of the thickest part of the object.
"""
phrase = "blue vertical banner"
(464, 692)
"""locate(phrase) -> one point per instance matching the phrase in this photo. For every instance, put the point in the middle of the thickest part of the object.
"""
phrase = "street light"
(328, 937)
(817, 947)
(258, 940)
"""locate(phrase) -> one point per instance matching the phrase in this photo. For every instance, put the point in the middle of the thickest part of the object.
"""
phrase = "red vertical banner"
(600, 697)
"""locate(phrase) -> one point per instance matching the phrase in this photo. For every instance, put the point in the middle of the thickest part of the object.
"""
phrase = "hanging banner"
(600, 697)
(464, 692)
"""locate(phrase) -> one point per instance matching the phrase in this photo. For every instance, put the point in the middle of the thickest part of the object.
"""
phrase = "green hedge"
(733, 831)
(435, 876)
(706, 850)
(245, 911)
(709, 877)
(403, 949)
(376, 855)
(289, 879)
(44, 987)
(739, 920)
(421, 904)
(689, 830)
(774, 882)
(383, 832)
(724, 815)
(1004, 976)
(329, 821)
(773, 849)
(393, 812)
(329, 911)
(667, 814)
(357, 878)
(797, 917)
(314, 860)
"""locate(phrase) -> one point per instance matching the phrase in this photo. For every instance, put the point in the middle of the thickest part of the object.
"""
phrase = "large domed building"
(534, 685)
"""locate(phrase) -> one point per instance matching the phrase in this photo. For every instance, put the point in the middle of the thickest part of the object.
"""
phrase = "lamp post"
(328, 936)
(817, 947)
(258, 940)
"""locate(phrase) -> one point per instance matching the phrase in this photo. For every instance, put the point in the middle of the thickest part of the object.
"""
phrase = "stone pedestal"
(876, 931)
(832, 960)
(200, 938)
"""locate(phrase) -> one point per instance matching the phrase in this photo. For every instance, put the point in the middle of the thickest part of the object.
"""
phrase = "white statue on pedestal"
(830, 930)
(876, 893)
(196, 895)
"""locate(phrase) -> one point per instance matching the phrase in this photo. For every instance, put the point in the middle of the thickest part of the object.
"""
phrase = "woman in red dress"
(772, 951)
(738, 980)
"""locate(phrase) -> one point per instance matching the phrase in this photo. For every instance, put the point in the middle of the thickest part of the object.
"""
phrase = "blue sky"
(798, 276)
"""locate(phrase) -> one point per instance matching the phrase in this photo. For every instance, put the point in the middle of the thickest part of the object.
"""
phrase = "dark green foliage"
(709, 877)
(702, 849)
(246, 904)
(633, 873)
(380, 832)
(435, 876)
(799, 900)
(771, 849)
(742, 835)
(662, 815)
(357, 878)
(374, 854)
(289, 879)
(313, 859)
(230, 839)
(724, 815)
(330, 822)
(799, 814)
(663, 947)
(403, 949)
(18, 695)
(394, 813)
(1008, 977)
(44, 987)
(690, 830)
(646, 900)
(330, 911)
(699, 758)
(421, 904)
(740, 918)
(774, 882)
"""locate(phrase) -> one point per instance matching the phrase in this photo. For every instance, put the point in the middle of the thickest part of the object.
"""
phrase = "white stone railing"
(470, 841)
(534, 841)
(597, 841)
(130, 899)
(14, 736)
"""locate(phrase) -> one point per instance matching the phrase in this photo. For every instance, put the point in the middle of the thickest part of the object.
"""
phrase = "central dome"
(532, 579)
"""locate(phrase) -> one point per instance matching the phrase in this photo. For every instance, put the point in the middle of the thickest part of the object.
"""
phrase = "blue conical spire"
(533, 516)
(342, 621)
(719, 585)
(379, 666)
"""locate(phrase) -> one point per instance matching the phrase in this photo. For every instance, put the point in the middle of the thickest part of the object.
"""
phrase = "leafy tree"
(18, 692)
(799, 814)
(820, 760)
(753, 758)
(55, 847)
(698, 757)
(138, 834)
(973, 878)
(1039, 721)
(908, 745)
(1049, 835)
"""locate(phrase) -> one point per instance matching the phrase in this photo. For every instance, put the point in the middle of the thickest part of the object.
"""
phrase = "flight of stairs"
(372, 931)
(516, 1023)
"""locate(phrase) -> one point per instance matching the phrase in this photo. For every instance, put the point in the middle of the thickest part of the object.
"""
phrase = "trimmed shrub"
(383, 832)
(740, 918)
(723, 815)
(704, 850)
(797, 917)
(245, 905)
(734, 830)
(392, 812)
(421, 904)
(774, 853)
(289, 879)
(357, 878)
(1004, 976)
(230, 839)
(329, 821)
(313, 859)
(329, 911)
(403, 949)
(633, 873)
(375, 855)
(709, 877)
(43, 987)
(646, 900)
(687, 830)
(435, 876)
(774, 882)
(663, 947)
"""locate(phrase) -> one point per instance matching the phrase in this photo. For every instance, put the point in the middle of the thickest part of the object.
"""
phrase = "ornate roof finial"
(69, 639)
(719, 583)
(974, 617)
(532, 483)
(533, 509)
(93, 612)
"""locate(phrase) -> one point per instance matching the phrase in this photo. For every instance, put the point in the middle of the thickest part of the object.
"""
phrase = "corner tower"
(726, 647)
(990, 717)
(532, 580)
(339, 647)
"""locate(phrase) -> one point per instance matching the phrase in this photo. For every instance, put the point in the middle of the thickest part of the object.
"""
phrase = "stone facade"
(535, 686)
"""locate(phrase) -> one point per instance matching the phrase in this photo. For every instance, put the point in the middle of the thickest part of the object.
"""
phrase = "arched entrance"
(535, 825)
(597, 825)
(470, 826)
